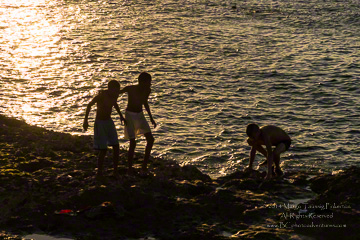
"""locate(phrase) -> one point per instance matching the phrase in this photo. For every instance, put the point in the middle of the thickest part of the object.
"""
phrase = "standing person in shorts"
(269, 136)
(104, 128)
(138, 96)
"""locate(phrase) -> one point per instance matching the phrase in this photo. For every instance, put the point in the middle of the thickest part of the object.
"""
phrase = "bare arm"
(252, 157)
(124, 90)
(147, 107)
(88, 108)
(252, 153)
(122, 119)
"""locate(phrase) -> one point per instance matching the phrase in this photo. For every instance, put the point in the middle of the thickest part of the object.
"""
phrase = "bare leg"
(270, 170)
(101, 157)
(278, 170)
(131, 154)
(115, 158)
(149, 144)
(276, 156)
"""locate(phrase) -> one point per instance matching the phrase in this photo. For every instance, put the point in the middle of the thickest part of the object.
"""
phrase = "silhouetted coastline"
(48, 184)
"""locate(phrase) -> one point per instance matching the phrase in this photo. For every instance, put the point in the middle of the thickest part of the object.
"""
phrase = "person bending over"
(269, 136)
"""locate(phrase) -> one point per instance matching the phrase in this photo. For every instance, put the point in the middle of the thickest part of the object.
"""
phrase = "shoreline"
(48, 184)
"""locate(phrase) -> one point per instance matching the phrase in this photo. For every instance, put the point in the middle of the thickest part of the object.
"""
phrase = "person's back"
(275, 134)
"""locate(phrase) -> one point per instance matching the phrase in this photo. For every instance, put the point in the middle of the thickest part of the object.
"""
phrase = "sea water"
(43, 237)
(217, 65)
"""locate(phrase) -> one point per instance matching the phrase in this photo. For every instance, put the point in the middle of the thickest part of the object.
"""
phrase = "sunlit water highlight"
(217, 66)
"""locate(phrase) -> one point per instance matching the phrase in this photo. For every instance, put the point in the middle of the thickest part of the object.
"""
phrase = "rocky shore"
(48, 184)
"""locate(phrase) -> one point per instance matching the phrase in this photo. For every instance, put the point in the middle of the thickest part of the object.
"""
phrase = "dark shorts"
(105, 134)
(287, 144)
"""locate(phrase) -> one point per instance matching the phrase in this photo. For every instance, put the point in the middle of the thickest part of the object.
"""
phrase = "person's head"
(144, 80)
(252, 130)
(114, 88)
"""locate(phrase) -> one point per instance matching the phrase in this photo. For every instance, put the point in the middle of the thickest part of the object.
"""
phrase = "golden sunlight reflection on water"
(28, 34)
(31, 41)
(215, 69)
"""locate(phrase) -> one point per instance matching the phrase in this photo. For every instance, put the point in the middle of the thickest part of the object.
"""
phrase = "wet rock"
(336, 208)
(338, 188)
(321, 183)
(257, 233)
(189, 172)
(243, 184)
(297, 178)
(248, 174)
(192, 188)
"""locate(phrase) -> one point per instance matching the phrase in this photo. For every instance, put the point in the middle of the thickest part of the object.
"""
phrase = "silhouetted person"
(138, 96)
(268, 136)
(104, 128)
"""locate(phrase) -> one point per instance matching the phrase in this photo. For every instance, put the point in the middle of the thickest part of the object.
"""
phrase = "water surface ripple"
(217, 66)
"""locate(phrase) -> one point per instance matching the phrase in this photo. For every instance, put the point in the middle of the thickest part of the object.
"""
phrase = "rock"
(243, 184)
(337, 188)
(252, 174)
(193, 188)
(256, 234)
(6, 236)
(105, 210)
(34, 165)
(337, 204)
(320, 184)
(189, 172)
(297, 178)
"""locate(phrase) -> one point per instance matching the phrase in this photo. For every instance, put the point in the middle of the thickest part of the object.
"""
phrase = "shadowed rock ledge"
(48, 184)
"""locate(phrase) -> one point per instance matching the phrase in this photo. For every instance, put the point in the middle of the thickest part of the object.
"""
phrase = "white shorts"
(105, 134)
(136, 125)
